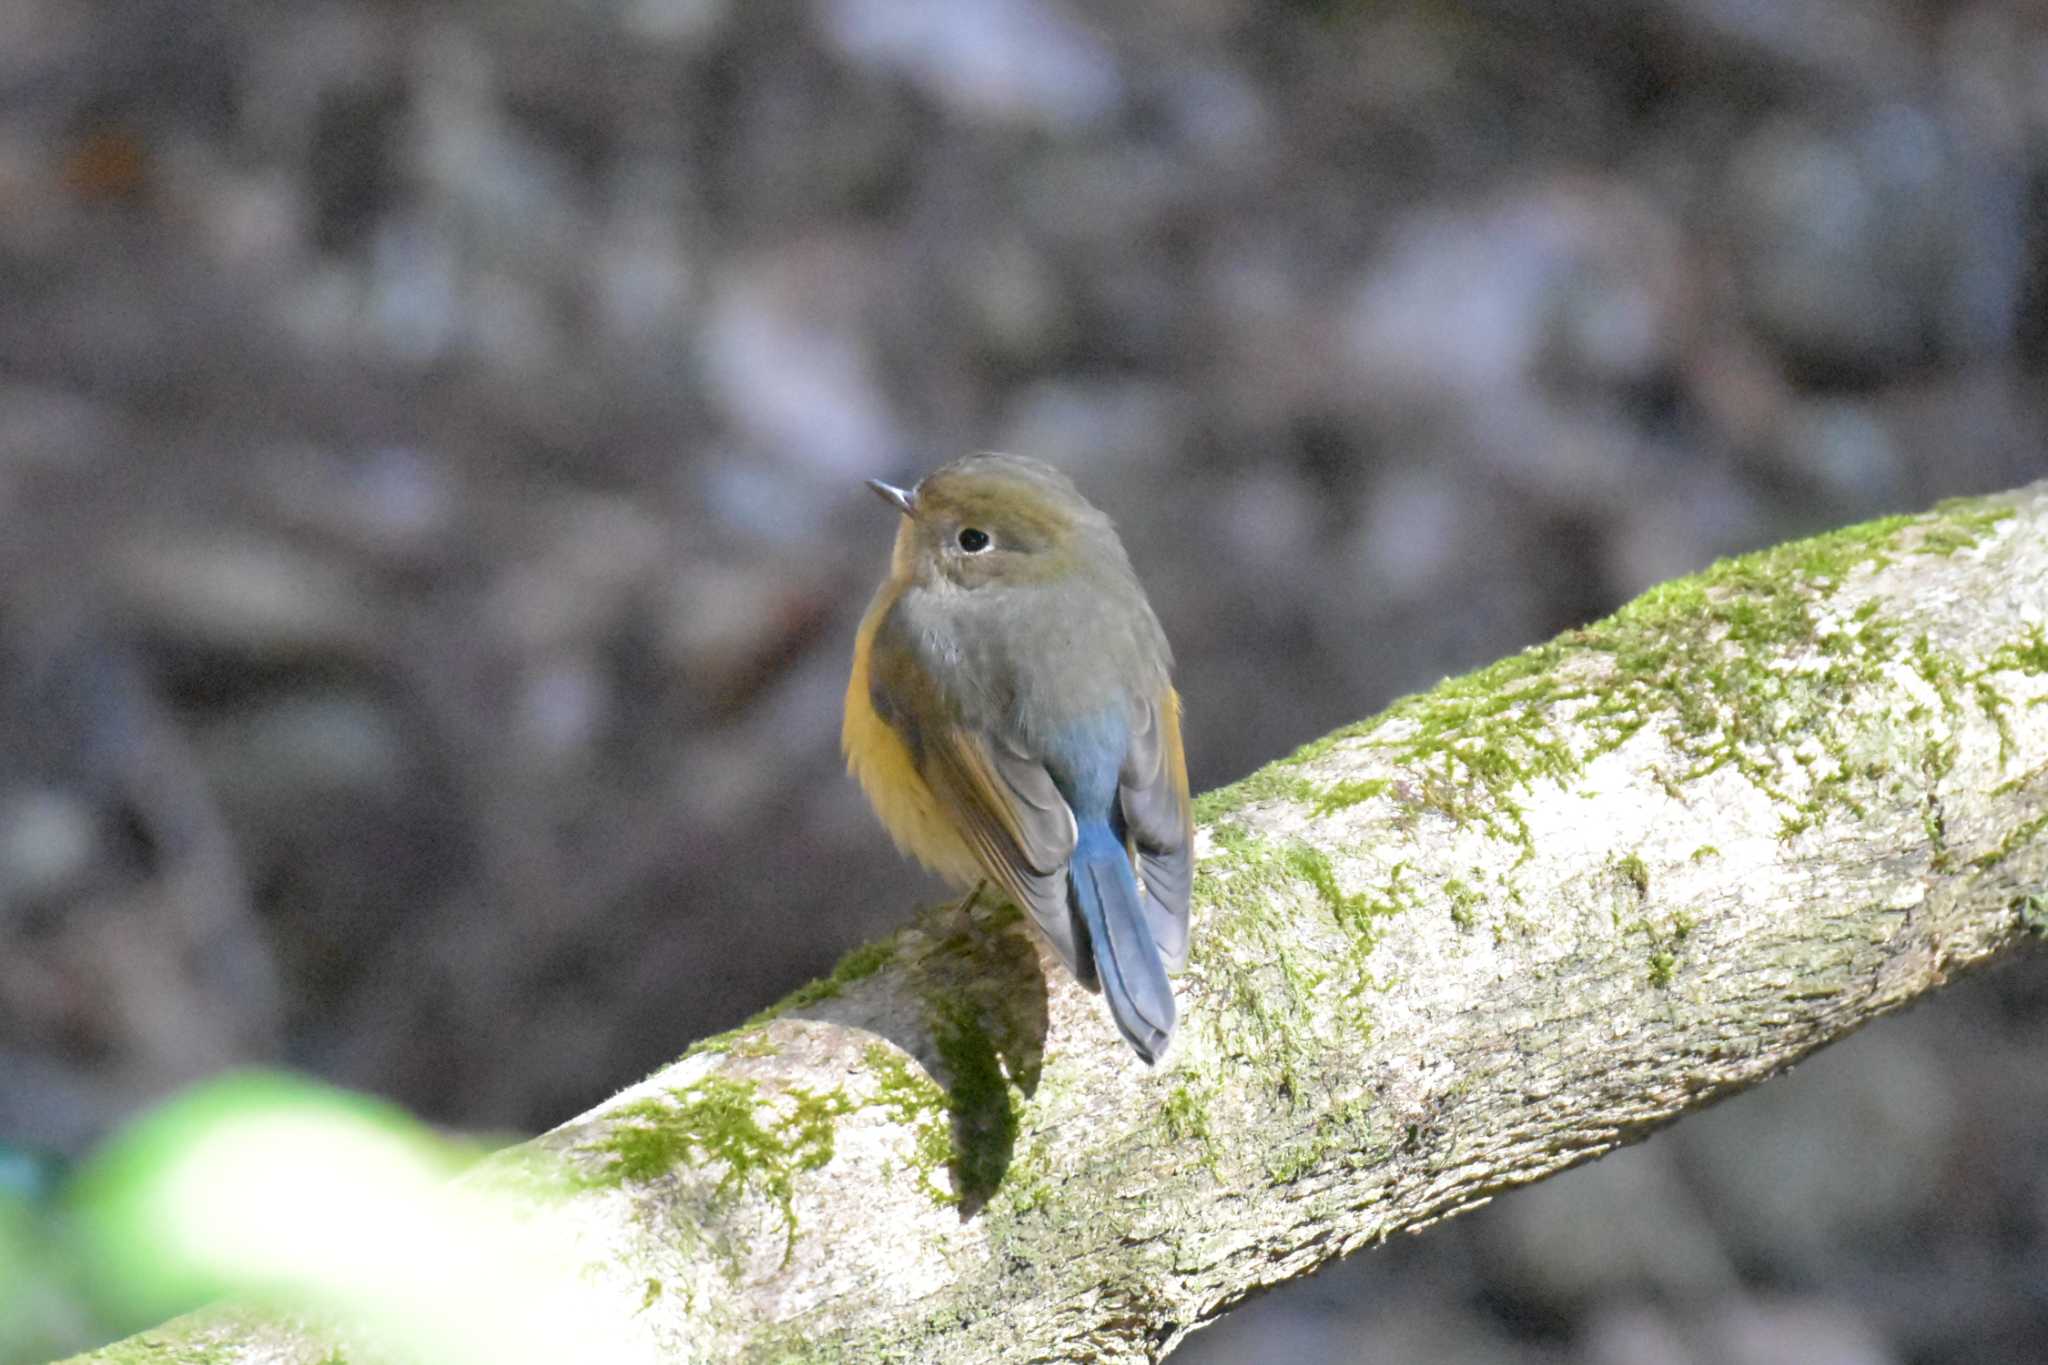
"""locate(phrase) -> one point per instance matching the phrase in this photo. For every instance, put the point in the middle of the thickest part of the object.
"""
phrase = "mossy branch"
(1503, 928)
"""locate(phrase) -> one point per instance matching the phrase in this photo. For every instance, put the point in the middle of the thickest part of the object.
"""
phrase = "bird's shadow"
(969, 1007)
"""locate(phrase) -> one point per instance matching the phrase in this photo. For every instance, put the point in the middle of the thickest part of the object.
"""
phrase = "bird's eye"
(973, 539)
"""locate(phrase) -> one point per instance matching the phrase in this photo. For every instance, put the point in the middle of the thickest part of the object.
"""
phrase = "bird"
(1011, 717)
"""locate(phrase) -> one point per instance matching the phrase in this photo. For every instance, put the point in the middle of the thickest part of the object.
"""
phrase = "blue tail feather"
(1126, 956)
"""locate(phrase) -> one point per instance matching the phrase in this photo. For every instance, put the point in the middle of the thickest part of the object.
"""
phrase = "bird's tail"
(1126, 956)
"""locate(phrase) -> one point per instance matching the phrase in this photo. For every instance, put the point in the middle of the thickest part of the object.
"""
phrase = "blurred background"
(431, 531)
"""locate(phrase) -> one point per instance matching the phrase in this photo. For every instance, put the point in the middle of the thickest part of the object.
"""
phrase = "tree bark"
(1504, 927)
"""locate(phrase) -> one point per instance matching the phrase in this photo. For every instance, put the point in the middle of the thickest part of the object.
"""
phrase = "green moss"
(1268, 973)
(1279, 780)
(1665, 943)
(1946, 678)
(1994, 706)
(753, 1043)
(1255, 959)
(978, 1098)
(1288, 1164)
(1028, 1186)
(1698, 659)
(2019, 837)
(1935, 826)
(2029, 655)
(1356, 912)
(1346, 794)
(1634, 872)
(1704, 852)
(1953, 684)
(2025, 779)
(859, 964)
(1185, 1115)
(915, 1101)
(1343, 1133)
(749, 1039)
(1695, 658)
(1464, 903)
(761, 1146)
(1960, 523)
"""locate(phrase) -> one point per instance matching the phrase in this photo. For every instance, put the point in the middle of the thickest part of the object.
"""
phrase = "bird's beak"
(903, 500)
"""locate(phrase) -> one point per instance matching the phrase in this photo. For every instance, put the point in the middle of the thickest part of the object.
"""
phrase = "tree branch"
(1503, 928)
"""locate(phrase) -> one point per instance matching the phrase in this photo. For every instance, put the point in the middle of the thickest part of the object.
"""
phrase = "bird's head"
(995, 520)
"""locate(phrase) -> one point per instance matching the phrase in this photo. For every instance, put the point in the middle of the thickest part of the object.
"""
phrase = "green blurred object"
(207, 1194)
(295, 1198)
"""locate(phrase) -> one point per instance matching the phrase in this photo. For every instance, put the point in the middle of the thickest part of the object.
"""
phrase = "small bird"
(1012, 719)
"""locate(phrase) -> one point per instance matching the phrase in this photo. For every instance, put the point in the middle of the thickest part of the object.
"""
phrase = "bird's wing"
(1018, 824)
(1153, 792)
